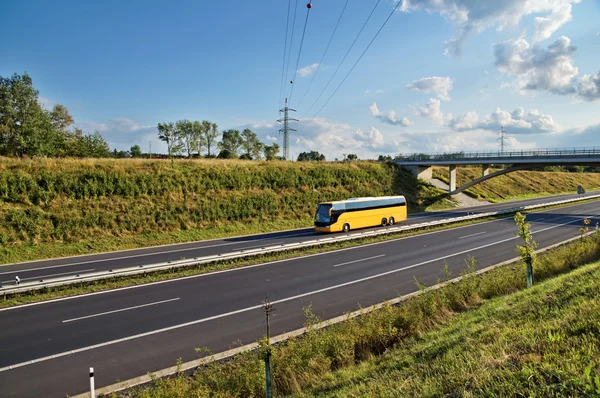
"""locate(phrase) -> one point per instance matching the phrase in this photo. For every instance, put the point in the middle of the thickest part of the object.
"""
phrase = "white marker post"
(92, 393)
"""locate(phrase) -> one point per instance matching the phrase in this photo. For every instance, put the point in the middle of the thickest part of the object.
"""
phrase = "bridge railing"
(549, 152)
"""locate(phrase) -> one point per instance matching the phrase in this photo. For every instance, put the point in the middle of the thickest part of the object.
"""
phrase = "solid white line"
(254, 307)
(263, 264)
(358, 261)
(468, 236)
(121, 310)
(45, 276)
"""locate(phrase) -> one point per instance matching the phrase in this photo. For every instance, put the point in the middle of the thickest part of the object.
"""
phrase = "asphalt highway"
(102, 262)
(127, 332)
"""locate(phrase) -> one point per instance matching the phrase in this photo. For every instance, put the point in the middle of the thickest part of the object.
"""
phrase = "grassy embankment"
(52, 208)
(61, 207)
(519, 184)
(486, 335)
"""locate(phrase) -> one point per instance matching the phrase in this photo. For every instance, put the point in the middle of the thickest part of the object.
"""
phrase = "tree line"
(196, 139)
(26, 128)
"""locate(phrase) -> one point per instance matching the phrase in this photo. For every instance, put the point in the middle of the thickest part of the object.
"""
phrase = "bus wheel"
(391, 220)
(383, 222)
(346, 228)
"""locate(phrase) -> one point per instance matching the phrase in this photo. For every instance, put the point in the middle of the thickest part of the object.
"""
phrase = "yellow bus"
(354, 213)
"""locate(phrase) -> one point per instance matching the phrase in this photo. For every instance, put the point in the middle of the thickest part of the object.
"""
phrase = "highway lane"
(105, 261)
(222, 310)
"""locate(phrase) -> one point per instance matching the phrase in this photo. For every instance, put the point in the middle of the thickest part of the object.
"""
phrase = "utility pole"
(502, 139)
(286, 129)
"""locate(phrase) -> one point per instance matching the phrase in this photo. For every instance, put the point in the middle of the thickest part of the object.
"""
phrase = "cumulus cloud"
(589, 87)
(539, 69)
(515, 122)
(441, 86)
(308, 70)
(270, 138)
(473, 17)
(390, 118)
(374, 91)
(432, 110)
(373, 138)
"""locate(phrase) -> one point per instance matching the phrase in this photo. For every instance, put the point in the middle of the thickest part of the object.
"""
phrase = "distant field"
(60, 207)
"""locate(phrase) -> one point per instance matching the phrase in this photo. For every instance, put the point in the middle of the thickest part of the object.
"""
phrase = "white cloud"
(432, 111)
(374, 91)
(475, 16)
(373, 138)
(126, 125)
(538, 69)
(515, 122)
(308, 70)
(435, 84)
(589, 87)
(270, 138)
(546, 26)
(390, 118)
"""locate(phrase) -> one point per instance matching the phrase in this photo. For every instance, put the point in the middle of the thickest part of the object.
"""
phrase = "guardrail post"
(92, 392)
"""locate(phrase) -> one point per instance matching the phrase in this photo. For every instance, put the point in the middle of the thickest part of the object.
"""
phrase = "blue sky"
(122, 67)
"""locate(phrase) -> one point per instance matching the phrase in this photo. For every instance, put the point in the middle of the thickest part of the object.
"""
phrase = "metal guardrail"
(142, 269)
(554, 152)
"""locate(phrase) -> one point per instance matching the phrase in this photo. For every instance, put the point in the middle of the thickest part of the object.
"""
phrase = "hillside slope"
(58, 207)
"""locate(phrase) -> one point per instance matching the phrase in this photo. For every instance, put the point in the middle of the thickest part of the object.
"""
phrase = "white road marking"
(269, 263)
(468, 236)
(45, 276)
(254, 307)
(358, 261)
(121, 310)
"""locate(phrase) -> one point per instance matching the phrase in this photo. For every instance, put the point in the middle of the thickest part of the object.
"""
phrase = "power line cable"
(308, 6)
(325, 53)
(343, 59)
(287, 69)
(287, 24)
(357, 61)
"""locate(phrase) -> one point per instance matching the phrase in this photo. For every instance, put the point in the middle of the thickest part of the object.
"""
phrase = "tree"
(61, 119)
(251, 144)
(527, 250)
(230, 144)
(184, 131)
(383, 158)
(350, 157)
(135, 151)
(210, 136)
(167, 133)
(25, 128)
(312, 156)
(271, 151)
(198, 136)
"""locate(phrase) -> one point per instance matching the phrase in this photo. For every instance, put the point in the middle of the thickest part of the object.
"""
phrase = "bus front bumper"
(322, 229)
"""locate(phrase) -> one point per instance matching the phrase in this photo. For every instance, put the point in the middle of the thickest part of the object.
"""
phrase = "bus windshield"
(322, 214)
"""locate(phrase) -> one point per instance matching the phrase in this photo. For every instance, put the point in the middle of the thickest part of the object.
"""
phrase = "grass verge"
(485, 335)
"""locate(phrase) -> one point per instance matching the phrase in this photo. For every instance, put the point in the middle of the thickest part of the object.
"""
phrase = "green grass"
(520, 185)
(51, 208)
(486, 335)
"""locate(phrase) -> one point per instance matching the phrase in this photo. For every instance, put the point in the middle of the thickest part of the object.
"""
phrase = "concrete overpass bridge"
(420, 164)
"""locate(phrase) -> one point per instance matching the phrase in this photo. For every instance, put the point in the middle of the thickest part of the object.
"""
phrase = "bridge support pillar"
(485, 170)
(423, 172)
(452, 178)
